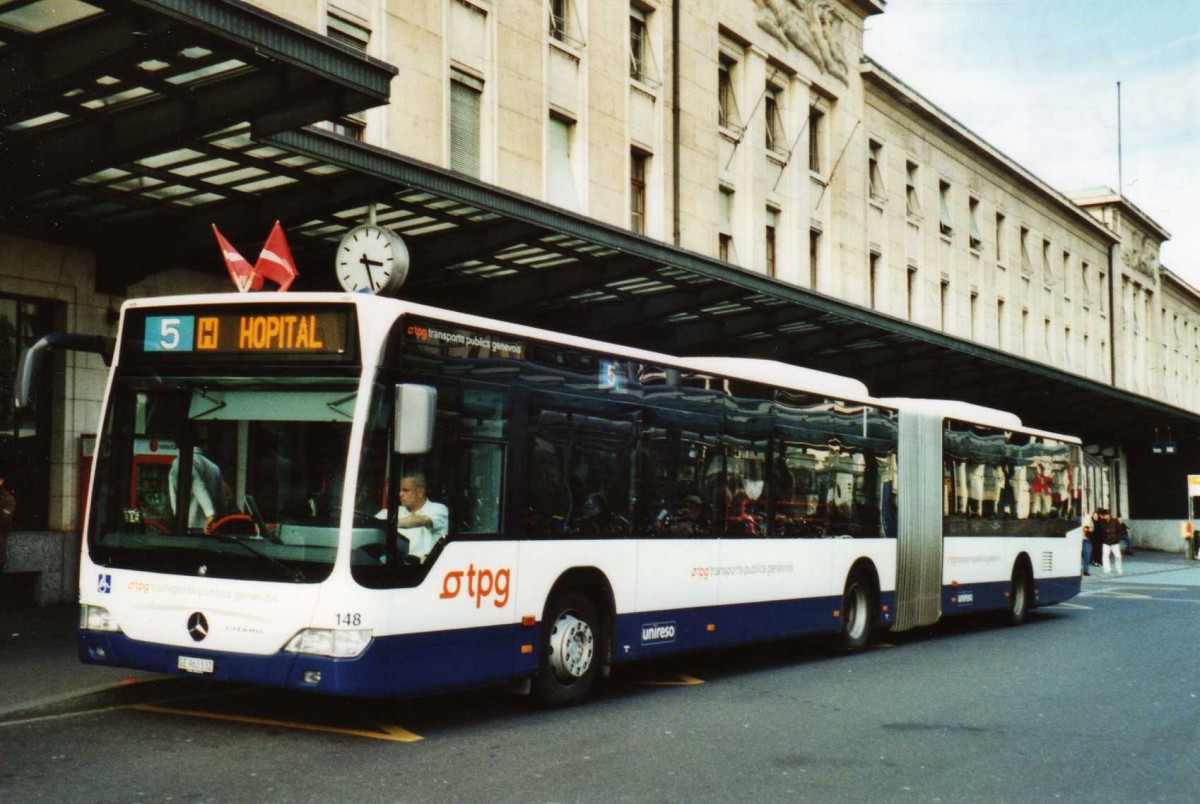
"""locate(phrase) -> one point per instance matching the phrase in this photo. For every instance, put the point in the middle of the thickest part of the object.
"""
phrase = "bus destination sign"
(294, 332)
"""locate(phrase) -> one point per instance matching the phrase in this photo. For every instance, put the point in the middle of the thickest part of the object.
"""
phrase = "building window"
(873, 280)
(466, 94)
(945, 221)
(1001, 232)
(875, 169)
(1102, 292)
(1066, 271)
(725, 226)
(1047, 270)
(643, 66)
(1085, 287)
(911, 289)
(976, 238)
(944, 303)
(816, 131)
(565, 25)
(560, 170)
(1000, 340)
(1026, 262)
(637, 190)
(814, 258)
(912, 198)
(25, 434)
(727, 105)
(772, 225)
(776, 141)
(1025, 332)
(351, 30)
(973, 312)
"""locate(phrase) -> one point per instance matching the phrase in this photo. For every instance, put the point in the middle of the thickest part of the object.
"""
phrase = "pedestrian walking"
(1087, 543)
(1110, 536)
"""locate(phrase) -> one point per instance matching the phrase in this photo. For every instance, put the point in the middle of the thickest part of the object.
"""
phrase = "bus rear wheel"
(571, 644)
(858, 614)
(1019, 594)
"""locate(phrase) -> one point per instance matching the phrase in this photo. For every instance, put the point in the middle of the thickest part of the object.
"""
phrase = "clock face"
(371, 259)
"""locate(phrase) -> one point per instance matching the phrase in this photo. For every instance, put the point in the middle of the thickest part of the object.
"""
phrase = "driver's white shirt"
(421, 540)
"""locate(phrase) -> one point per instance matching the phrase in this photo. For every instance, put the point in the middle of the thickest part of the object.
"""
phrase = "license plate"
(190, 664)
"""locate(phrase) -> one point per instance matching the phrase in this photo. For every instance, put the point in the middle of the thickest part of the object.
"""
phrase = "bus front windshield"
(222, 476)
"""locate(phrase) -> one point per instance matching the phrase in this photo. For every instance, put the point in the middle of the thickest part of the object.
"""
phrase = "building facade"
(756, 133)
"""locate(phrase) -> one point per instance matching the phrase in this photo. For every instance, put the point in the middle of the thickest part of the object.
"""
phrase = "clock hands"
(367, 262)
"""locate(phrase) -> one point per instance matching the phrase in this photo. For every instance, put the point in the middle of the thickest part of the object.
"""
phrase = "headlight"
(338, 643)
(97, 618)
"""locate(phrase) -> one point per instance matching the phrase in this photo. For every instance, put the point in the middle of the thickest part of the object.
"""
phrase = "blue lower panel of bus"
(993, 596)
(653, 633)
(415, 664)
(411, 664)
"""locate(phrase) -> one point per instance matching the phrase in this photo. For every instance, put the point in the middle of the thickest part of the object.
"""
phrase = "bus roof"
(774, 372)
(969, 412)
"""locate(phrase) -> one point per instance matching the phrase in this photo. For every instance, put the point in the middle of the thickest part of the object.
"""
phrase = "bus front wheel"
(570, 651)
(858, 615)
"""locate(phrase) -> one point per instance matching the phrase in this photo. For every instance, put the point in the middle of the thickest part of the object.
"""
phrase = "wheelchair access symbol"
(104, 584)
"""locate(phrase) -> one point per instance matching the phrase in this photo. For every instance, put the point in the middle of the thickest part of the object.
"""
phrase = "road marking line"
(66, 696)
(102, 709)
(385, 732)
(682, 681)
(1074, 606)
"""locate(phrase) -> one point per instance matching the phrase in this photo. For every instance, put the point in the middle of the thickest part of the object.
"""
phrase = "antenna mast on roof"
(1120, 179)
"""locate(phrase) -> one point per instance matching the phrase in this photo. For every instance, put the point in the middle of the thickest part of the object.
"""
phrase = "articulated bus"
(602, 504)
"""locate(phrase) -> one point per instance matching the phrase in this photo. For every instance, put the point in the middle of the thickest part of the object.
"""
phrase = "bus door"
(757, 571)
(680, 513)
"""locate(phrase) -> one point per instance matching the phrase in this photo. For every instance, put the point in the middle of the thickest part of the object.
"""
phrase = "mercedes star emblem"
(197, 626)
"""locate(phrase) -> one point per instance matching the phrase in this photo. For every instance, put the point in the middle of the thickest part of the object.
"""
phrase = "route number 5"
(168, 334)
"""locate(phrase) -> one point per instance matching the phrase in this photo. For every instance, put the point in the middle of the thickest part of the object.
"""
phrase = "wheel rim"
(572, 645)
(856, 611)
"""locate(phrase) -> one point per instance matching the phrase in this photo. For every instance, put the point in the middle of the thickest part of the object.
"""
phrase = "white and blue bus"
(602, 504)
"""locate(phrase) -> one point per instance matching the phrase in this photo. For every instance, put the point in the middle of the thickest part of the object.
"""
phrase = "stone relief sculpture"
(813, 27)
(1141, 255)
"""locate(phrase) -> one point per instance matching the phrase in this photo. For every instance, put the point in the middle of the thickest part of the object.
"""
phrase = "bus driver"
(420, 520)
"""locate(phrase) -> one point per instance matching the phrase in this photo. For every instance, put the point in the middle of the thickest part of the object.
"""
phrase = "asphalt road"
(1096, 701)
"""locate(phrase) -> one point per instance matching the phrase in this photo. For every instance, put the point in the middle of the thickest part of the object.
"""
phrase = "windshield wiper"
(292, 573)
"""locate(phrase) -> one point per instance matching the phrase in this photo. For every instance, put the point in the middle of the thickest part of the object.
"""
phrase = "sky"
(1038, 80)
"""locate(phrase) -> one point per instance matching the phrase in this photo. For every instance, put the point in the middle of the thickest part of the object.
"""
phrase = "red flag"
(275, 261)
(243, 274)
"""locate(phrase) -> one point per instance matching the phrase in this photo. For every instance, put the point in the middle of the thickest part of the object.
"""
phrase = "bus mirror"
(416, 406)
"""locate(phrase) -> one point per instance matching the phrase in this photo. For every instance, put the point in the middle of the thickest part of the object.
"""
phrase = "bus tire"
(1020, 595)
(858, 611)
(571, 650)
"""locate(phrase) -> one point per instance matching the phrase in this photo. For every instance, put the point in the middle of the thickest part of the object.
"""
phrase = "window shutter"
(464, 128)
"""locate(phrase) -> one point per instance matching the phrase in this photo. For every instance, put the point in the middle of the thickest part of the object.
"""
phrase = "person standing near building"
(1110, 536)
(8, 504)
(1088, 524)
